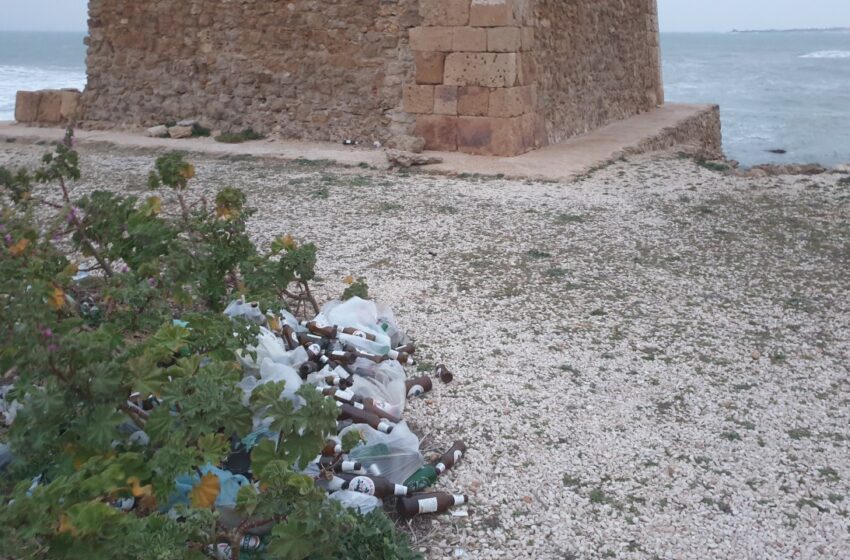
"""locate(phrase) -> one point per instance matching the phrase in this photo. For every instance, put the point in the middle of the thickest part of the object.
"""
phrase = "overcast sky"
(676, 15)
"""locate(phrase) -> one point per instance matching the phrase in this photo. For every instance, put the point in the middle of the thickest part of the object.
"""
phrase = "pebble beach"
(651, 360)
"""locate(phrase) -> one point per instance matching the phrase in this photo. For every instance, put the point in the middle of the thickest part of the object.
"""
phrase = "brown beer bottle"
(444, 374)
(360, 416)
(378, 408)
(402, 357)
(377, 486)
(358, 333)
(325, 332)
(290, 338)
(307, 368)
(451, 457)
(409, 348)
(332, 447)
(341, 395)
(429, 502)
(341, 357)
(418, 386)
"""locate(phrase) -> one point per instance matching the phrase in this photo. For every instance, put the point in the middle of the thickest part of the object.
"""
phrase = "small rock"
(399, 158)
(160, 131)
(527, 499)
(475, 485)
(180, 131)
(407, 143)
(756, 354)
(187, 122)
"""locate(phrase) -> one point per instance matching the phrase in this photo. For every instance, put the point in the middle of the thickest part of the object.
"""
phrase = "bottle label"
(362, 484)
(359, 334)
(440, 468)
(458, 454)
(344, 395)
(459, 500)
(415, 391)
(428, 505)
(314, 349)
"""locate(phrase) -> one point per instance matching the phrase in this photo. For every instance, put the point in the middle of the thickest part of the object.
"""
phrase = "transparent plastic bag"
(362, 503)
(384, 382)
(358, 314)
(396, 455)
(245, 310)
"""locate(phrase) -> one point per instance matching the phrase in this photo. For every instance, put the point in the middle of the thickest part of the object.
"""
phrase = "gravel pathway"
(651, 361)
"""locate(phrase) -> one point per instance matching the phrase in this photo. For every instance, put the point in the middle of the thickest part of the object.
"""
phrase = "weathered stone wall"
(496, 77)
(597, 61)
(306, 69)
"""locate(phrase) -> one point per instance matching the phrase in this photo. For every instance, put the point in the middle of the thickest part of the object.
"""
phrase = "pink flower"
(48, 333)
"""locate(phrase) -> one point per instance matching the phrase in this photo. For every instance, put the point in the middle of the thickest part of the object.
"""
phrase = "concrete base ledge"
(692, 128)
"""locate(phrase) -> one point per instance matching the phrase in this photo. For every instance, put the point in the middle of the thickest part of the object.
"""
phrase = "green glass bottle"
(422, 479)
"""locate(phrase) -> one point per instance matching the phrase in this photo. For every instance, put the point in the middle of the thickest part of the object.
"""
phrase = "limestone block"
(439, 132)
(407, 143)
(418, 98)
(491, 136)
(504, 39)
(527, 38)
(445, 100)
(469, 39)
(444, 12)
(26, 106)
(431, 39)
(526, 69)
(473, 101)
(491, 13)
(180, 131)
(70, 104)
(429, 67)
(481, 69)
(160, 131)
(50, 107)
(513, 101)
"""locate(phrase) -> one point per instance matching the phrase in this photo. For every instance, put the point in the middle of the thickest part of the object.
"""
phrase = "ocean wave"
(827, 54)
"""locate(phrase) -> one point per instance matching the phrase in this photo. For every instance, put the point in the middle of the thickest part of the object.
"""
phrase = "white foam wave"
(827, 54)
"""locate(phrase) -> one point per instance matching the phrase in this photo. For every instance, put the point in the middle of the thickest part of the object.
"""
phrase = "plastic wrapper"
(362, 503)
(395, 455)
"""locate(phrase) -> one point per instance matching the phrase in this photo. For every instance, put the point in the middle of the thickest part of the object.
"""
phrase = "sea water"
(777, 91)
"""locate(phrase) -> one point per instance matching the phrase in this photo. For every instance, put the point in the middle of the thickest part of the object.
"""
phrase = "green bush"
(239, 137)
(147, 321)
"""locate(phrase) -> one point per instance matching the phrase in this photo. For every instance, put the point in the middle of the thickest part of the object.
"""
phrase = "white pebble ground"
(650, 362)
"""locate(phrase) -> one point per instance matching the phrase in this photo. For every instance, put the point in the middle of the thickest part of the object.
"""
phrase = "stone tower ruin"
(498, 77)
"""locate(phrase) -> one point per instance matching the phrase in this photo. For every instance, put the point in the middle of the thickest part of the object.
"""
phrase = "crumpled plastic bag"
(396, 455)
(384, 382)
(362, 503)
(358, 314)
(246, 310)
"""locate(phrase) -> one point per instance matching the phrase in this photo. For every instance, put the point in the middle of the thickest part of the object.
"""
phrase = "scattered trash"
(350, 142)
(354, 353)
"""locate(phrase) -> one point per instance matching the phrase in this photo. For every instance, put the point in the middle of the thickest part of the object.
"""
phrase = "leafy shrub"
(146, 321)
(245, 135)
